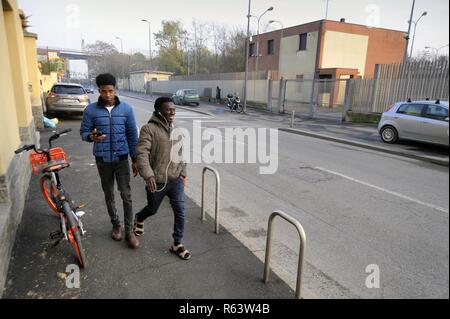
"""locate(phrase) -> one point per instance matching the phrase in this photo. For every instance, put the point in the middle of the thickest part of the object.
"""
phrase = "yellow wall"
(18, 62)
(138, 80)
(53, 56)
(344, 50)
(33, 70)
(294, 62)
(158, 76)
(48, 81)
(8, 120)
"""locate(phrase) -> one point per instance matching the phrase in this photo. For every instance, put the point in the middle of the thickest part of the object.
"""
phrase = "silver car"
(66, 98)
(424, 121)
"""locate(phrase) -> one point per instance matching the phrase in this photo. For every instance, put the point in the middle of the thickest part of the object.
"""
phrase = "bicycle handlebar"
(52, 138)
(24, 148)
(65, 131)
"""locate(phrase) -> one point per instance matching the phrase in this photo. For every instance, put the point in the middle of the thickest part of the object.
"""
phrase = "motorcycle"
(234, 103)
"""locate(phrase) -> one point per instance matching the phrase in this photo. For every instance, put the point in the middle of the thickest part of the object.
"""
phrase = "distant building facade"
(326, 49)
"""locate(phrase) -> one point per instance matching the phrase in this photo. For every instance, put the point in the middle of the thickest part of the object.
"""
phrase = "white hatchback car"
(424, 121)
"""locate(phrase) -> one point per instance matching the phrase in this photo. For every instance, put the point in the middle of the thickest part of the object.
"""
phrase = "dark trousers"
(119, 171)
(175, 191)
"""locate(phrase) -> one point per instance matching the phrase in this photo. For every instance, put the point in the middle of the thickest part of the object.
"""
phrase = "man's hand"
(183, 179)
(96, 138)
(135, 170)
(151, 184)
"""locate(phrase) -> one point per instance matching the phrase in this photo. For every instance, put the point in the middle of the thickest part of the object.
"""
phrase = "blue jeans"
(175, 191)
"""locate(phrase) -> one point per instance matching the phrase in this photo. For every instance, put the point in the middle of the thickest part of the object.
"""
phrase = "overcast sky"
(62, 23)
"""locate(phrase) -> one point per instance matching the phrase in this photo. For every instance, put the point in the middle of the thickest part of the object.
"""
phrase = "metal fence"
(325, 98)
(398, 82)
(321, 98)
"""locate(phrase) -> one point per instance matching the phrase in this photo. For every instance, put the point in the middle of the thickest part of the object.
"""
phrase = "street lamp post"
(121, 44)
(257, 40)
(414, 33)
(409, 31)
(247, 49)
(149, 51)
(247, 53)
(121, 50)
(149, 42)
(437, 50)
(326, 13)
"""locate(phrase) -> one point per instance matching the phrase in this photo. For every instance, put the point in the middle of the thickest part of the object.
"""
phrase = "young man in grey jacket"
(163, 177)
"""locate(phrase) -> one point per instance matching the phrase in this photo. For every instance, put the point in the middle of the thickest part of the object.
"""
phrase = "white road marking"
(444, 210)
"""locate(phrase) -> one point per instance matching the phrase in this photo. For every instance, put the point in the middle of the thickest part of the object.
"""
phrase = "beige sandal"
(181, 251)
(138, 228)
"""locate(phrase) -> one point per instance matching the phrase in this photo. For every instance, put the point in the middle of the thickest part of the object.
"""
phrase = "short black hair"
(105, 79)
(160, 101)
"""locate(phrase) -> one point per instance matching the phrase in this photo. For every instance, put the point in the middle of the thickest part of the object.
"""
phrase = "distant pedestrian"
(163, 176)
(111, 125)
(218, 98)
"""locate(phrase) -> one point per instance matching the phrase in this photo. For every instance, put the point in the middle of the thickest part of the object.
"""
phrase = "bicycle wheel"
(49, 192)
(74, 235)
(75, 240)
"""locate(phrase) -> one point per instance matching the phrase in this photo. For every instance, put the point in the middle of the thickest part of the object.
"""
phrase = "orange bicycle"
(49, 163)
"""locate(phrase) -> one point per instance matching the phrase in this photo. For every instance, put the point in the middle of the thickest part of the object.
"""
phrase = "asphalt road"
(358, 208)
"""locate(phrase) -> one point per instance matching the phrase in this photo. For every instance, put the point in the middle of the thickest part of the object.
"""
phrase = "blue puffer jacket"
(119, 127)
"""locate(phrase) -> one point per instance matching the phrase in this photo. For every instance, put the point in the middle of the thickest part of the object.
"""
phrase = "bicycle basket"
(39, 160)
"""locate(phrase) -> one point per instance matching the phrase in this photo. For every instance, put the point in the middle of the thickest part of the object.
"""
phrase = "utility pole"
(121, 58)
(326, 13)
(247, 53)
(405, 56)
(195, 47)
(414, 33)
(149, 42)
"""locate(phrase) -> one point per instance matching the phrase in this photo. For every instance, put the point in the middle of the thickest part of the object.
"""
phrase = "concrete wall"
(256, 90)
(16, 128)
(137, 82)
(8, 121)
(294, 62)
(34, 79)
(140, 81)
(384, 46)
(344, 50)
(342, 45)
(18, 62)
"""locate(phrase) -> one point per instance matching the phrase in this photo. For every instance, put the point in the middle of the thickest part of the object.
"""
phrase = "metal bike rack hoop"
(216, 174)
(302, 235)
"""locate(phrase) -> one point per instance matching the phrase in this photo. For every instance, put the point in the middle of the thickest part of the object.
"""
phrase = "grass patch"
(362, 117)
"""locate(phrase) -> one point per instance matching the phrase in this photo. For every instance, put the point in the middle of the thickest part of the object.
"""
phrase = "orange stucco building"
(326, 49)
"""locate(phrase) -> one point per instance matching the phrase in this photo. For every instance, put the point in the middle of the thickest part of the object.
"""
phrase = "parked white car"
(424, 121)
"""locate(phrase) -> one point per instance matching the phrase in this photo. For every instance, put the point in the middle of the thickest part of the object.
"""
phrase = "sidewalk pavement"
(355, 134)
(220, 268)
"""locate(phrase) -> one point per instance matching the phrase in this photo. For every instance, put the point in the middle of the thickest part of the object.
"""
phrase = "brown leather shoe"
(116, 233)
(132, 241)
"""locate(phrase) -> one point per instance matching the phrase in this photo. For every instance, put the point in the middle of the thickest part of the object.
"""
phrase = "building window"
(251, 51)
(303, 40)
(270, 47)
(300, 82)
(325, 84)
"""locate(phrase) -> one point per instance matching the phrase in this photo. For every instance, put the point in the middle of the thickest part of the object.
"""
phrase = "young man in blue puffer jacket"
(111, 126)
